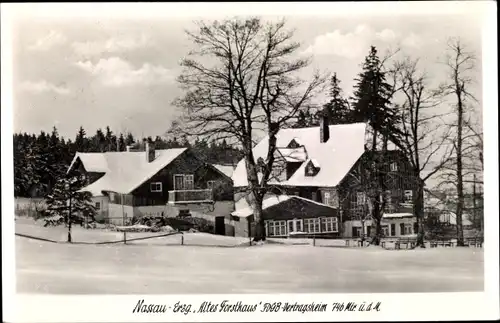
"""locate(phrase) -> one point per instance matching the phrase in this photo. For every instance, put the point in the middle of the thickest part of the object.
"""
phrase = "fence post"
(124, 237)
(314, 240)
(182, 239)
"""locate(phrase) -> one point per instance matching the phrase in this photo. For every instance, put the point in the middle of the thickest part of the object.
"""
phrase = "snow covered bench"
(409, 242)
(442, 243)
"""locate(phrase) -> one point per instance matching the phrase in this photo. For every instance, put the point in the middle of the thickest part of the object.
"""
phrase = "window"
(155, 187)
(401, 229)
(408, 198)
(356, 232)
(183, 182)
(98, 205)
(327, 198)
(385, 231)
(210, 185)
(312, 225)
(276, 228)
(394, 167)
(189, 182)
(369, 231)
(329, 225)
(393, 229)
(408, 228)
(360, 198)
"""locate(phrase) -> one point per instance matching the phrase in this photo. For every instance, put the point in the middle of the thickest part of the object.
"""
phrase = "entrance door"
(295, 225)
(220, 227)
(178, 182)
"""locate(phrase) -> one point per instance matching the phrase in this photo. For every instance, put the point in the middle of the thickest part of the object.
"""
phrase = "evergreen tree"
(27, 174)
(54, 159)
(81, 142)
(110, 140)
(99, 142)
(371, 103)
(306, 117)
(185, 142)
(338, 109)
(121, 143)
(372, 98)
(65, 205)
(130, 140)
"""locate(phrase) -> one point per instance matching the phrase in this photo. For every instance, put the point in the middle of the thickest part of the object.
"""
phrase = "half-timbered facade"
(323, 164)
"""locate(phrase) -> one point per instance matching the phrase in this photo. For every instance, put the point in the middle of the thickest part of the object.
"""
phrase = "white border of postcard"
(423, 306)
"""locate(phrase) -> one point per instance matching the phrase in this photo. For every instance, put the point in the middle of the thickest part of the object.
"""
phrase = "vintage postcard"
(249, 162)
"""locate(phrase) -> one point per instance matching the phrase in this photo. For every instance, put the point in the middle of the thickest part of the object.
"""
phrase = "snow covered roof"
(125, 171)
(93, 162)
(396, 215)
(293, 154)
(243, 209)
(225, 169)
(337, 155)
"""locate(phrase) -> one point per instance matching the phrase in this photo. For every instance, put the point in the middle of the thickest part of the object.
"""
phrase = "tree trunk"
(376, 219)
(256, 204)
(69, 231)
(460, 183)
(418, 209)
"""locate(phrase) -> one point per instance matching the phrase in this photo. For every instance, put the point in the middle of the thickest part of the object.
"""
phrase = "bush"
(201, 225)
(178, 224)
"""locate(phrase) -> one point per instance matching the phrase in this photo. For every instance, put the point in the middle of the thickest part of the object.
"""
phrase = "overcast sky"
(121, 72)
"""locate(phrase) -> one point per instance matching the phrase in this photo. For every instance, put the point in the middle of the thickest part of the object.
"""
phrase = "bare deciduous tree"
(459, 63)
(242, 78)
(423, 139)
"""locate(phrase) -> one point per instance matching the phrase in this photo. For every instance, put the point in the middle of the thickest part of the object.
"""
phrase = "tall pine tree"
(81, 141)
(338, 109)
(372, 104)
(372, 98)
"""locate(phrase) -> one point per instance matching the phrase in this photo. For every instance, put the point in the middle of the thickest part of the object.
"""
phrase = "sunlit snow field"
(163, 266)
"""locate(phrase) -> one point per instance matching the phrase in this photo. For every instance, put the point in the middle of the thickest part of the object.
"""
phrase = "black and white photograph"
(248, 152)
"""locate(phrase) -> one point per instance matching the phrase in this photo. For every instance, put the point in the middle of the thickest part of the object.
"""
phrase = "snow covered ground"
(165, 268)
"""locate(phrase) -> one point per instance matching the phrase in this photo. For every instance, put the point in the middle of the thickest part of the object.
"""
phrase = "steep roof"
(225, 169)
(124, 171)
(336, 156)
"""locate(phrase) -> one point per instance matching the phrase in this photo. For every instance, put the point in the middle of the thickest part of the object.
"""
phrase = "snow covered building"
(316, 167)
(153, 182)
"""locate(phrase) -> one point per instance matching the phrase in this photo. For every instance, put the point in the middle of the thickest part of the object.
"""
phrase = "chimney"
(150, 151)
(324, 130)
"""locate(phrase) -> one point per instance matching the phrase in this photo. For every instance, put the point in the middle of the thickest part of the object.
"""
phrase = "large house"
(154, 182)
(316, 168)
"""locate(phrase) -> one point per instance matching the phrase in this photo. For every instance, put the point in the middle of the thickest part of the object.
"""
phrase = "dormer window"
(295, 143)
(312, 168)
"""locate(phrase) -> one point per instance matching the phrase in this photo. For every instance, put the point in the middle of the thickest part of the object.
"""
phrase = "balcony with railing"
(190, 196)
